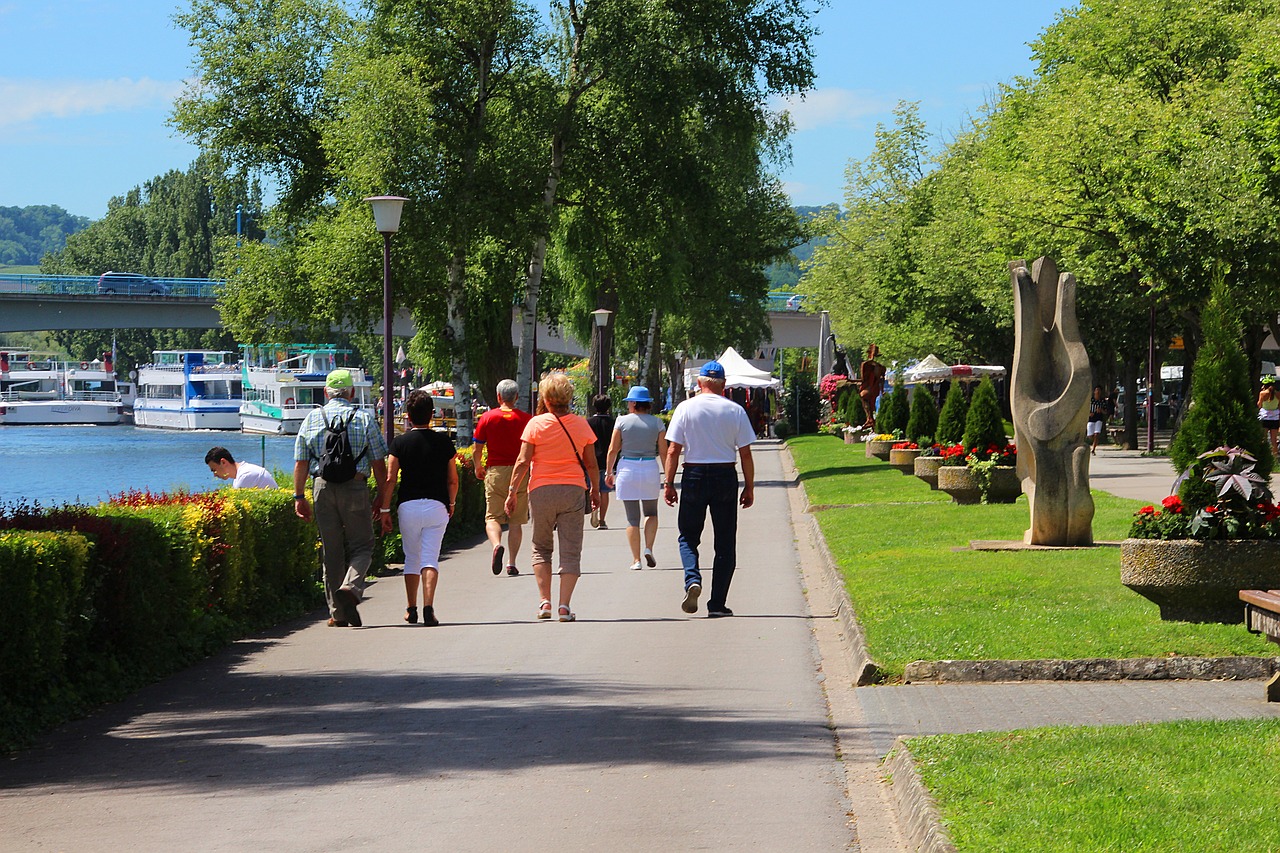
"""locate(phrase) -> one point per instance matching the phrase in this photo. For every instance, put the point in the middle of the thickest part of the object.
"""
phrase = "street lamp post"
(386, 217)
(601, 316)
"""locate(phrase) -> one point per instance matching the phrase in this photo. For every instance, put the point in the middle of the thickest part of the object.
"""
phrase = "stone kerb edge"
(1093, 669)
(868, 671)
(917, 810)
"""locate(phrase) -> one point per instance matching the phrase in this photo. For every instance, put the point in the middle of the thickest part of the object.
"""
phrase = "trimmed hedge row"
(100, 600)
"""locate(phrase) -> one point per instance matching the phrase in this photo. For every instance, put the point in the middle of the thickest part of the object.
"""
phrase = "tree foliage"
(983, 426)
(951, 420)
(29, 233)
(923, 422)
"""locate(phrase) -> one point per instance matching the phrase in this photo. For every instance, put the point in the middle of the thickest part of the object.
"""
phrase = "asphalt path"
(636, 728)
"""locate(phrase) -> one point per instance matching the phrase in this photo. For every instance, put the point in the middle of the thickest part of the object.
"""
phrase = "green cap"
(339, 379)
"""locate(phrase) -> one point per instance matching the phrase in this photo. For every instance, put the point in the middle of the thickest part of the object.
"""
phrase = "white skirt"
(638, 480)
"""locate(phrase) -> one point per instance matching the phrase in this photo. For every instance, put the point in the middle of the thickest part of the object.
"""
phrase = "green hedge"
(102, 600)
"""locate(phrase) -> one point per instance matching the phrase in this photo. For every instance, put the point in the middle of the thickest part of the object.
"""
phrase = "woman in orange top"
(555, 451)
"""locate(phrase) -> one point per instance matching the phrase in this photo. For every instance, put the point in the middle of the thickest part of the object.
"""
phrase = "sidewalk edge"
(918, 813)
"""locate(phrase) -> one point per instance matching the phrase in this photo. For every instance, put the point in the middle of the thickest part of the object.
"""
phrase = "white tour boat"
(189, 389)
(43, 391)
(283, 382)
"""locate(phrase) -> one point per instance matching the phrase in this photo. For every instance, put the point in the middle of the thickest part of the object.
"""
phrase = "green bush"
(924, 415)
(983, 425)
(810, 403)
(782, 428)
(954, 411)
(1221, 409)
(895, 411)
(143, 586)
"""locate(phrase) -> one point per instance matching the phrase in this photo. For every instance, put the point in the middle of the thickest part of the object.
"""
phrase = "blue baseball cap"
(638, 394)
(712, 370)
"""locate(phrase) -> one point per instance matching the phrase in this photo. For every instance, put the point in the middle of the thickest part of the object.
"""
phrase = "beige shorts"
(497, 482)
(557, 512)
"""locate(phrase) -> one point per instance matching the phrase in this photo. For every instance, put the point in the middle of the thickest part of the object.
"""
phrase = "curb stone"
(1093, 669)
(917, 810)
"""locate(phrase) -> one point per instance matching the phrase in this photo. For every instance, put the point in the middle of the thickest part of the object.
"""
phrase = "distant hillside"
(28, 233)
(786, 274)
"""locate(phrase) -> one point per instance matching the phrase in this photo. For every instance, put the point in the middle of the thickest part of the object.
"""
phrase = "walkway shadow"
(214, 728)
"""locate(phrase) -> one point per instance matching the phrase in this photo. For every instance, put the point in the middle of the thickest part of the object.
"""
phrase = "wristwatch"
(299, 497)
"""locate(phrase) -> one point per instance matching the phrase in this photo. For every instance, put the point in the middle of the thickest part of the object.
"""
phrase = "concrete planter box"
(880, 449)
(1194, 581)
(962, 484)
(851, 438)
(904, 460)
(926, 468)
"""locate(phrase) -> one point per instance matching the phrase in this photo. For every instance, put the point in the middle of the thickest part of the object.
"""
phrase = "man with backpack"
(339, 445)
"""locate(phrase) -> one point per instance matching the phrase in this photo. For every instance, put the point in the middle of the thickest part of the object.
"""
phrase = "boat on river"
(38, 391)
(281, 383)
(189, 389)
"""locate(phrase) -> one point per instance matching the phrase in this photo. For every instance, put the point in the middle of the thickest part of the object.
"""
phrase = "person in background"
(422, 460)
(601, 423)
(244, 475)
(713, 432)
(1269, 411)
(499, 431)
(1100, 410)
(556, 455)
(344, 512)
(637, 446)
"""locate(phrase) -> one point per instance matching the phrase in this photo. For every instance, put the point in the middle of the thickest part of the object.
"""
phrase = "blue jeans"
(714, 488)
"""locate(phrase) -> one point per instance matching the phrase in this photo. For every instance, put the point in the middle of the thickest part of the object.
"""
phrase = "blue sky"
(85, 88)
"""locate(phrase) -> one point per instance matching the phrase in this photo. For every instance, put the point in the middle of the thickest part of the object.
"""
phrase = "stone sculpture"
(1050, 400)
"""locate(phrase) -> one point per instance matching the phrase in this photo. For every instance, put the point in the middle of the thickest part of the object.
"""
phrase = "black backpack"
(337, 462)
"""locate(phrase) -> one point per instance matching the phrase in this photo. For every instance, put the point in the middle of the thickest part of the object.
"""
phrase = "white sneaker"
(635, 567)
(648, 557)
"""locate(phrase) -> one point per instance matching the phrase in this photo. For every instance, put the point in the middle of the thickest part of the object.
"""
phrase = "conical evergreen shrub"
(951, 421)
(983, 426)
(896, 411)
(1222, 411)
(924, 414)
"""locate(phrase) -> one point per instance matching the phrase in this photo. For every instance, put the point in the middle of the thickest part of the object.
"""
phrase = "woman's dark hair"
(420, 407)
(642, 406)
(602, 404)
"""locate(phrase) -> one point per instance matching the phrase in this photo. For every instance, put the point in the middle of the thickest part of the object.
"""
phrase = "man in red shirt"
(499, 430)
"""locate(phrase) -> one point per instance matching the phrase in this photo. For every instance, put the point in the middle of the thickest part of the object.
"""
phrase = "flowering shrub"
(827, 387)
(1238, 505)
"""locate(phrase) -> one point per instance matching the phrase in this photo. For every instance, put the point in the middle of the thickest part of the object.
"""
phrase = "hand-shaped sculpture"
(1050, 401)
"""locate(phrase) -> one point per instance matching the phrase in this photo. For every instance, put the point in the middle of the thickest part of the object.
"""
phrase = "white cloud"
(827, 107)
(23, 101)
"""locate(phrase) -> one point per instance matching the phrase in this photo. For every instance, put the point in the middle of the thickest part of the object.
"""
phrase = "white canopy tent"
(738, 373)
(933, 369)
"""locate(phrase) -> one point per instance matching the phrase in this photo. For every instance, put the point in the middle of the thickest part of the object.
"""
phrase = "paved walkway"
(637, 728)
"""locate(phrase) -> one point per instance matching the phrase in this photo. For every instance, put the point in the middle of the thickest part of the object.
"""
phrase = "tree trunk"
(456, 335)
(1129, 375)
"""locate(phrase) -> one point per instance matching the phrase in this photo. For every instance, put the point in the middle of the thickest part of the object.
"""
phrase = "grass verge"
(1194, 786)
(918, 599)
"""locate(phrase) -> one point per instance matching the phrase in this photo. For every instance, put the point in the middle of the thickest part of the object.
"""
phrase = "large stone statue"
(1050, 401)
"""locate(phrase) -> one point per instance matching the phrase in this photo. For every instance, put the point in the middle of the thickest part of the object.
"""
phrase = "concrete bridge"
(53, 303)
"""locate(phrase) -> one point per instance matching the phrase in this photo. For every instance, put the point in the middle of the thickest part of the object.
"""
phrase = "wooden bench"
(1262, 616)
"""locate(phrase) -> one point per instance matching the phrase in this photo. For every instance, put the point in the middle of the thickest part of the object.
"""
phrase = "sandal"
(544, 609)
(566, 615)
(411, 615)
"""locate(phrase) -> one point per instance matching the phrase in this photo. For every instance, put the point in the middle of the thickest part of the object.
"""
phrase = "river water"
(69, 464)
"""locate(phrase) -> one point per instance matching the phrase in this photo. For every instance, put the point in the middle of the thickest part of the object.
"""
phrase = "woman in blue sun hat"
(638, 445)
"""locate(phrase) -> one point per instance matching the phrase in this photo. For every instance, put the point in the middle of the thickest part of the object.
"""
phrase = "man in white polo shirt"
(714, 433)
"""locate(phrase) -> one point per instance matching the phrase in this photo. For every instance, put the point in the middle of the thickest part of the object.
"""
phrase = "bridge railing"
(87, 285)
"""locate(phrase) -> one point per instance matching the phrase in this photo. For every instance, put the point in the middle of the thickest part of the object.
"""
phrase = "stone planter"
(904, 460)
(880, 449)
(851, 438)
(1195, 581)
(962, 484)
(926, 468)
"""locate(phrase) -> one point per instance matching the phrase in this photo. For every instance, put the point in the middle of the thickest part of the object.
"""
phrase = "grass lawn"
(918, 599)
(1191, 786)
